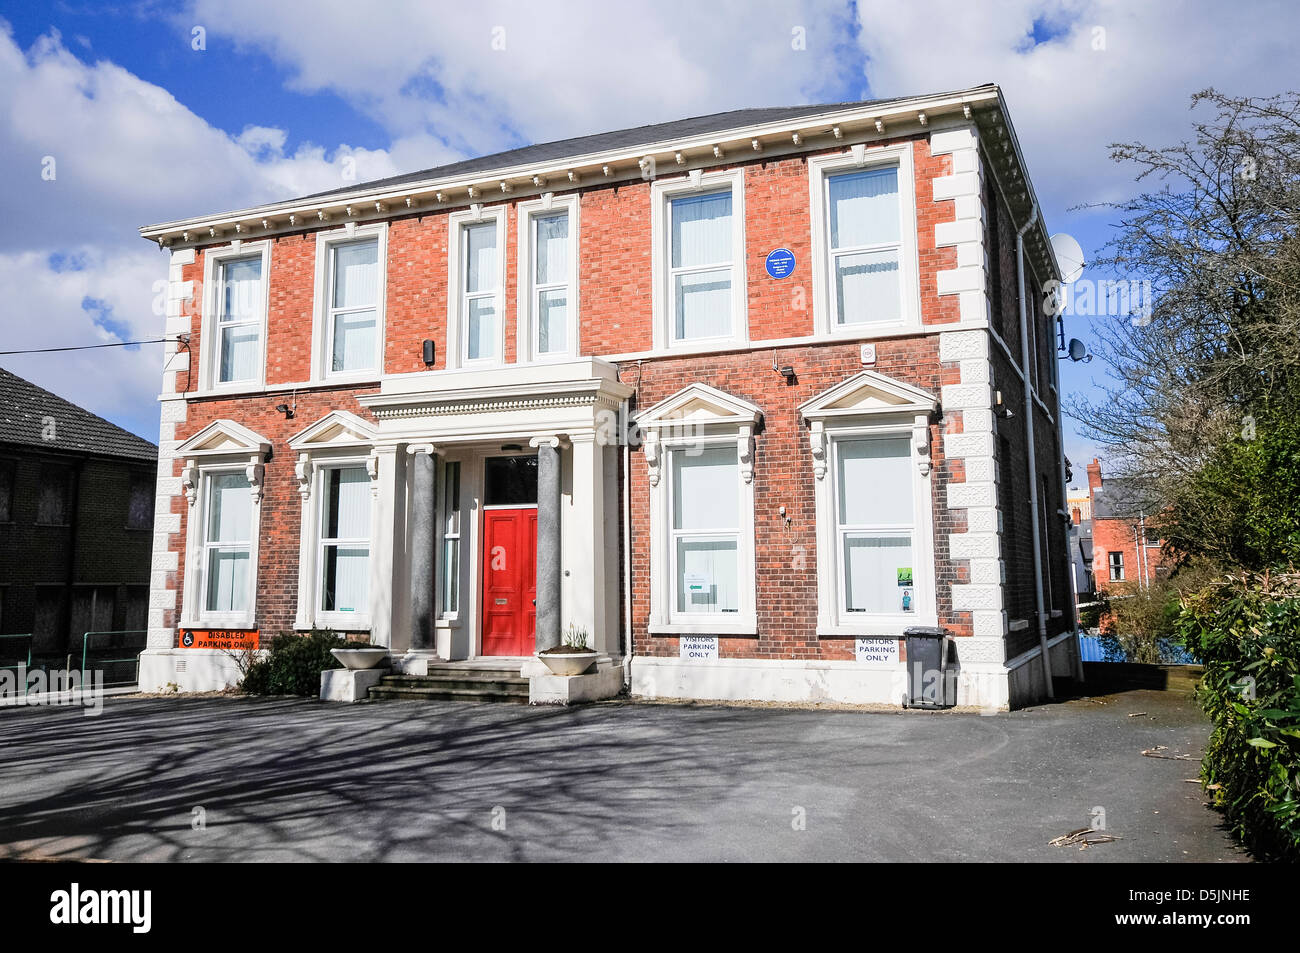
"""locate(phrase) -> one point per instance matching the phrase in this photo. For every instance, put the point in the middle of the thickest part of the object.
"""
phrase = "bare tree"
(1218, 240)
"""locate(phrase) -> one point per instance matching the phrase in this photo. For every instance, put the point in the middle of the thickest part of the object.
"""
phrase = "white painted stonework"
(187, 670)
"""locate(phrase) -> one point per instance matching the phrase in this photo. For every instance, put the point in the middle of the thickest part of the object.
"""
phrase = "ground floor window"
(345, 540)
(227, 543)
(705, 545)
(450, 563)
(875, 524)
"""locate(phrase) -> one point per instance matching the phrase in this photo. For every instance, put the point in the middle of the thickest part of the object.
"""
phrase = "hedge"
(1247, 633)
(294, 664)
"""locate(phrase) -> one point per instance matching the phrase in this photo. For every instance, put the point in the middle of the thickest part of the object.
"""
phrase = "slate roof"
(23, 407)
(1121, 499)
(619, 139)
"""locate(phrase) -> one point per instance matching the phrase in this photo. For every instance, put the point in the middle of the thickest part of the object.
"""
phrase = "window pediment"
(224, 438)
(700, 404)
(337, 429)
(869, 393)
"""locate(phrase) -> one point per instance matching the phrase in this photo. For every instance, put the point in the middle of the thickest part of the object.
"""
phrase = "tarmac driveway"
(238, 779)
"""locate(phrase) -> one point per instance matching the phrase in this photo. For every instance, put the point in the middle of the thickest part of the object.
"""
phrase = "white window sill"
(221, 622)
(343, 622)
(730, 627)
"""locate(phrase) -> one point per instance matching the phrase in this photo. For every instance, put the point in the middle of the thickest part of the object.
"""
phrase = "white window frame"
(445, 522)
(661, 193)
(820, 170)
(210, 325)
(715, 418)
(528, 327)
(313, 537)
(456, 312)
(195, 610)
(1112, 565)
(322, 336)
(843, 621)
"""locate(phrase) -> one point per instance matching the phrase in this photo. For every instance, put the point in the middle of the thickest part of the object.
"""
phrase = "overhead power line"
(86, 347)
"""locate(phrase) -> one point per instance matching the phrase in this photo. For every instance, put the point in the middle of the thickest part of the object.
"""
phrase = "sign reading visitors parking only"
(698, 646)
(876, 650)
(780, 263)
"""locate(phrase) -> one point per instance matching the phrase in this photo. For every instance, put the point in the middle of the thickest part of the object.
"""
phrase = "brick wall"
(615, 285)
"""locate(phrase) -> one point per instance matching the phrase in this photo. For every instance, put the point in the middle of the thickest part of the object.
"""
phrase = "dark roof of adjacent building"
(24, 409)
(618, 139)
(1122, 499)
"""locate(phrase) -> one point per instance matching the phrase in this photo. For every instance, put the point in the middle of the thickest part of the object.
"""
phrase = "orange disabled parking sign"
(228, 639)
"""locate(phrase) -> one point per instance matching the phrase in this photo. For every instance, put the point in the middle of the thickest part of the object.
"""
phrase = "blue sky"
(145, 127)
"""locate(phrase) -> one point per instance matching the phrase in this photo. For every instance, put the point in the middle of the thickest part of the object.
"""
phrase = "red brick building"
(743, 397)
(1125, 548)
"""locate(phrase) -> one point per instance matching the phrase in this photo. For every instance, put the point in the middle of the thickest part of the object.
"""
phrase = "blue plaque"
(779, 263)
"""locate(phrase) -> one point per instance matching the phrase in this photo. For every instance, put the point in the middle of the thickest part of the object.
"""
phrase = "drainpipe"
(1033, 461)
(1069, 521)
(627, 562)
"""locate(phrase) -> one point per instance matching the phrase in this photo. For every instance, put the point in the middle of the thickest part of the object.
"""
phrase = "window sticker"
(905, 576)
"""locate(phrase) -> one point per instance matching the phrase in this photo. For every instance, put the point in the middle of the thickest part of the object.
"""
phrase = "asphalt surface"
(237, 779)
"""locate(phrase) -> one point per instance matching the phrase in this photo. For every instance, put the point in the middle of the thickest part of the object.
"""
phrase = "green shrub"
(1247, 632)
(294, 664)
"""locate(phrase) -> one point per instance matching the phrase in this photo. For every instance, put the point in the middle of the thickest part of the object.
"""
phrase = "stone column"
(548, 541)
(424, 509)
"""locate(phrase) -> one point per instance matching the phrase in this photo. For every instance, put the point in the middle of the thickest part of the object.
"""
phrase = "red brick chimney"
(1076, 515)
(1094, 476)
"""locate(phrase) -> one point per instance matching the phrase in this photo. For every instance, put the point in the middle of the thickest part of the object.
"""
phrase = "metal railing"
(116, 645)
(18, 667)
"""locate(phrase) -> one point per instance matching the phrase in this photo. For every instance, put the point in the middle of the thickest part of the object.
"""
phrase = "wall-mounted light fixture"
(787, 372)
(430, 353)
(286, 410)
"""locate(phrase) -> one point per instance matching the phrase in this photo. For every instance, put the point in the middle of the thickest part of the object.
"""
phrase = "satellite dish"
(1069, 255)
(1078, 351)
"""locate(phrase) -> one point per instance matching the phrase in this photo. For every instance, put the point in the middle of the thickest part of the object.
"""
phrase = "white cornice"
(367, 203)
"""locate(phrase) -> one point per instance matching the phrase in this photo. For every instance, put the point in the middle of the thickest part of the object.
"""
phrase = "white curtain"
(347, 513)
(356, 274)
(705, 489)
(701, 236)
(230, 508)
(875, 481)
(706, 575)
(346, 517)
(552, 244)
(868, 287)
(481, 329)
(871, 565)
(480, 257)
(864, 208)
(354, 341)
(227, 580)
(553, 321)
(240, 319)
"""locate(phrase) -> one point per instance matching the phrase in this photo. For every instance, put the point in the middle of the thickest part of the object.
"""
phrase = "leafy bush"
(294, 664)
(1247, 632)
(1140, 623)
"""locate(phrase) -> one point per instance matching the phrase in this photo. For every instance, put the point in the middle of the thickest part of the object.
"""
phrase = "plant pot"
(568, 663)
(358, 659)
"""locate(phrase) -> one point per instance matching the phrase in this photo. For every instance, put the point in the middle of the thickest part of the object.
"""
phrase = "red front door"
(509, 581)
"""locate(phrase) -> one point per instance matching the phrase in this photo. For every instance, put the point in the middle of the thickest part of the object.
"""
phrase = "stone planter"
(568, 663)
(360, 659)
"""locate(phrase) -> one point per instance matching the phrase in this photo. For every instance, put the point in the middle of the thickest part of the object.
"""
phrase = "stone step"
(445, 692)
(503, 681)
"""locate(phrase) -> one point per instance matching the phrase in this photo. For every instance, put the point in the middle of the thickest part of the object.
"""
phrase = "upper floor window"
(140, 501)
(476, 331)
(6, 491)
(548, 260)
(234, 325)
(354, 294)
(699, 260)
(1116, 566)
(864, 240)
(53, 502)
(350, 295)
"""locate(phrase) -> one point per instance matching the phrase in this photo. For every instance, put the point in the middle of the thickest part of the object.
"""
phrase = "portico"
(502, 490)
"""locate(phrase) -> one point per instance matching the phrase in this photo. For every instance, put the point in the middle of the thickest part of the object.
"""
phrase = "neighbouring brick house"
(76, 522)
(1126, 549)
(743, 396)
